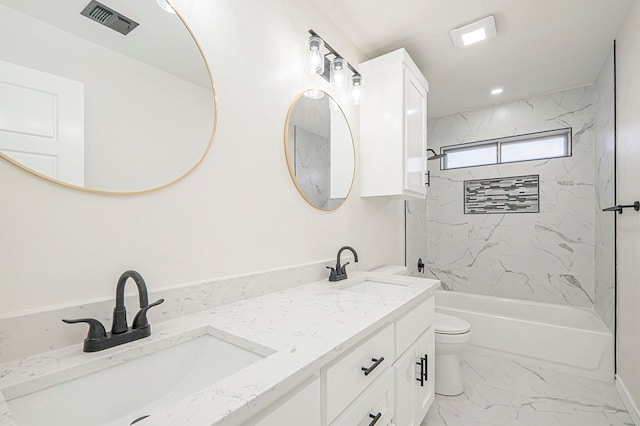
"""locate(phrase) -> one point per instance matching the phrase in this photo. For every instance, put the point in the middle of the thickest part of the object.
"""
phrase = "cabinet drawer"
(376, 401)
(345, 379)
(413, 324)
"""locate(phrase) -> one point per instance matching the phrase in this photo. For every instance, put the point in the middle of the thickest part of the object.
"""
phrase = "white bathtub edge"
(627, 400)
(600, 375)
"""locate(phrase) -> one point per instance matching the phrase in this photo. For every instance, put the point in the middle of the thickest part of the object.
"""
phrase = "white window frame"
(498, 142)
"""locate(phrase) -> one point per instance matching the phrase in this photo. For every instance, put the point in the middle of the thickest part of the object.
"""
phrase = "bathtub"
(562, 338)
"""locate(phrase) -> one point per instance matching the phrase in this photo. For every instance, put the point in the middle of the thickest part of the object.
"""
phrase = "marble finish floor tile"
(501, 392)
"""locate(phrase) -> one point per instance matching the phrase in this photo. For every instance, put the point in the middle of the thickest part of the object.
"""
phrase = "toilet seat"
(450, 325)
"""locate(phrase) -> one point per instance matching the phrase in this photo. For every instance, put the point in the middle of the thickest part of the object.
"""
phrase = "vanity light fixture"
(164, 5)
(497, 91)
(316, 58)
(356, 89)
(339, 73)
(475, 32)
(332, 66)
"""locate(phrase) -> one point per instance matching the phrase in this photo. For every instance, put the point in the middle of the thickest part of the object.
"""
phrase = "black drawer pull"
(421, 378)
(426, 367)
(376, 362)
(375, 418)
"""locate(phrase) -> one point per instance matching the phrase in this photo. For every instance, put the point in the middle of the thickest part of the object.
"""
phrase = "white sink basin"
(121, 394)
(377, 288)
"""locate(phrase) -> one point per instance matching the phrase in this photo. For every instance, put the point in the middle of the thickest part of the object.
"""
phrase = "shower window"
(528, 147)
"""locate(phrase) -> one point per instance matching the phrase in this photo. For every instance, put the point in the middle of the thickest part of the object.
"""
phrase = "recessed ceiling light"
(496, 91)
(475, 32)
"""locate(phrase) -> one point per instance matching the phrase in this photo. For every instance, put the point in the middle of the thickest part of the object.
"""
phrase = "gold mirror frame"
(289, 154)
(143, 191)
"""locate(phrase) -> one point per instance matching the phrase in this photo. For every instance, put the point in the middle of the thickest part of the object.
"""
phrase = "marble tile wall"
(604, 222)
(312, 164)
(546, 256)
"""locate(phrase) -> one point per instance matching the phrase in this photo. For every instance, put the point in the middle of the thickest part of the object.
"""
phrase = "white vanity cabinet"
(386, 379)
(404, 389)
(393, 127)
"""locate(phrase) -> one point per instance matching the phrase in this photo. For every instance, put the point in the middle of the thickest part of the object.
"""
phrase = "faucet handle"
(333, 275)
(140, 320)
(343, 271)
(96, 329)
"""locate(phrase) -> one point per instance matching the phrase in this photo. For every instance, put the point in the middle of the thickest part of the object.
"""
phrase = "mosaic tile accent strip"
(518, 194)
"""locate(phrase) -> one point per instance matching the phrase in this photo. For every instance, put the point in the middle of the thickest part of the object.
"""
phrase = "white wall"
(546, 256)
(628, 231)
(125, 99)
(237, 212)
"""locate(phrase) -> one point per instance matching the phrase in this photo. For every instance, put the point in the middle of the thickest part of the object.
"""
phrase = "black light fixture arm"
(334, 52)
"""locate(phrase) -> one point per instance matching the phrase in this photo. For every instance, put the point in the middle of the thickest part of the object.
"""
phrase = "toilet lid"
(448, 324)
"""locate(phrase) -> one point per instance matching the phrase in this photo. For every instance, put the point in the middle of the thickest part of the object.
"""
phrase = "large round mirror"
(111, 96)
(319, 149)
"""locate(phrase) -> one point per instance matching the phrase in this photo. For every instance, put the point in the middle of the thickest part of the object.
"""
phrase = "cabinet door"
(426, 354)
(407, 374)
(415, 118)
(414, 395)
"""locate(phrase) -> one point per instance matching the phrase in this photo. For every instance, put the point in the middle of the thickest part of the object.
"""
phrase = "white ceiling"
(542, 45)
(161, 40)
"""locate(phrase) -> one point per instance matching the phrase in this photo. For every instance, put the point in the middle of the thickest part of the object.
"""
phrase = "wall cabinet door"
(415, 139)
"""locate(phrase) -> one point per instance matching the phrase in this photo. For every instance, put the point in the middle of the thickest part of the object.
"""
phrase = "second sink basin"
(121, 394)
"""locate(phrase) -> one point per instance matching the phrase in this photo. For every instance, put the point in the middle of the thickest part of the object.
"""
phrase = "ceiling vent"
(108, 17)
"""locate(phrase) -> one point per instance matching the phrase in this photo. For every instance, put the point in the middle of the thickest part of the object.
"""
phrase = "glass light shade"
(314, 94)
(357, 91)
(316, 58)
(339, 73)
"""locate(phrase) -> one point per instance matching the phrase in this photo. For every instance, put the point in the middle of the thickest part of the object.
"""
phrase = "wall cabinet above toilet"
(393, 132)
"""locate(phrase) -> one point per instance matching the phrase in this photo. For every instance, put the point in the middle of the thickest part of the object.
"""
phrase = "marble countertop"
(297, 330)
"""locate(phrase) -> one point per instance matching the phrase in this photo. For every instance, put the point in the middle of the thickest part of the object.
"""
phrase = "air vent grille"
(100, 14)
(108, 17)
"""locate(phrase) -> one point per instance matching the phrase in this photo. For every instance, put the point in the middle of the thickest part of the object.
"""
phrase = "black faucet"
(339, 272)
(98, 339)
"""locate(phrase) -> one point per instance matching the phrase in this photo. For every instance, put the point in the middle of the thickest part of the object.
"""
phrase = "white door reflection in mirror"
(42, 122)
(319, 149)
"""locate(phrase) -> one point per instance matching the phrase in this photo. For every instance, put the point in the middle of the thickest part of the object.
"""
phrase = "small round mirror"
(319, 149)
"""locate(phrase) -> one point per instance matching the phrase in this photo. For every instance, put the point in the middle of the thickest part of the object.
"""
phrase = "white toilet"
(452, 335)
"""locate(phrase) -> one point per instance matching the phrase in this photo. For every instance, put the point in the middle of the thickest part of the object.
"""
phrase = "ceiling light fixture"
(475, 32)
(497, 91)
(332, 66)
